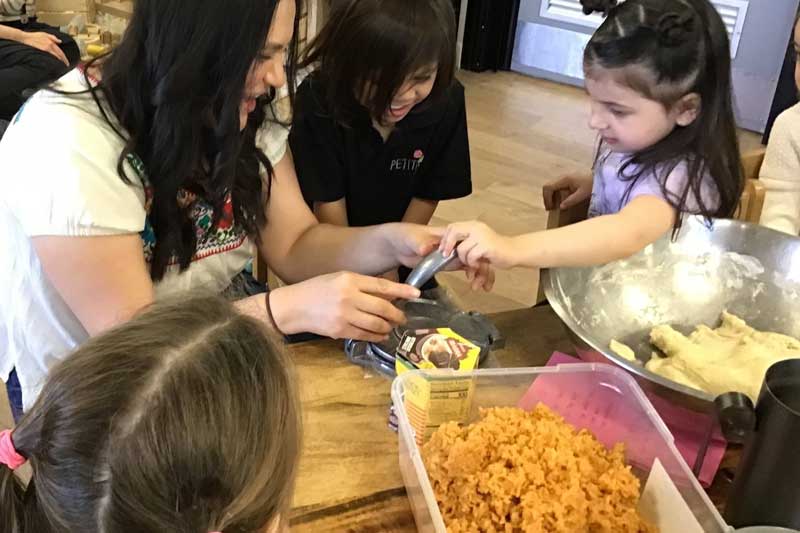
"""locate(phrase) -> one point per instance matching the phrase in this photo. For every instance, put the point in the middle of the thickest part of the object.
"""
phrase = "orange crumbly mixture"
(514, 471)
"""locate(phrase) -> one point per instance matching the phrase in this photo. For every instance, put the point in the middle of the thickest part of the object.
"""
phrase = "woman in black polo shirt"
(380, 125)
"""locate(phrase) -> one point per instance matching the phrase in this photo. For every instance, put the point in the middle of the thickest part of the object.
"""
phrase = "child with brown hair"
(184, 419)
(379, 132)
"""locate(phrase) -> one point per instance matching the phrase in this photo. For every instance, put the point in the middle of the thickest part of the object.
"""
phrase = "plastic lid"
(766, 529)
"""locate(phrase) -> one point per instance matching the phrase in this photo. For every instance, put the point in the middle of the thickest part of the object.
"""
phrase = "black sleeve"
(315, 144)
(449, 174)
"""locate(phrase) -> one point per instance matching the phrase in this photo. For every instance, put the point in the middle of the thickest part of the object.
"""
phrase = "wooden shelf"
(122, 9)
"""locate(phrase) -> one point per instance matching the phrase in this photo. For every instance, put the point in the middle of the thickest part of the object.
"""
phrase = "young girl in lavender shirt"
(658, 77)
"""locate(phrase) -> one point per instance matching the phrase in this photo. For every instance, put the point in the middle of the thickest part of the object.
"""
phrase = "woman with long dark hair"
(153, 169)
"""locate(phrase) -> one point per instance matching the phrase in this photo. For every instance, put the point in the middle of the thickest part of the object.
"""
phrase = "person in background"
(185, 419)
(659, 81)
(780, 172)
(31, 54)
(380, 126)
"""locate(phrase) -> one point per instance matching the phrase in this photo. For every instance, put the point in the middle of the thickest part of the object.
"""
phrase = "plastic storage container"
(601, 398)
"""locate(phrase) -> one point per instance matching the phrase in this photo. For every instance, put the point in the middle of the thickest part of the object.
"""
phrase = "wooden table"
(349, 475)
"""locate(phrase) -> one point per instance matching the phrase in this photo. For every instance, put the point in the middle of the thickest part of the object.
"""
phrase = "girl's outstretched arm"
(595, 241)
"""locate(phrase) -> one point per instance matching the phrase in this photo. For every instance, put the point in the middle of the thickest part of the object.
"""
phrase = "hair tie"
(8, 454)
(601, 6)
(674, 28)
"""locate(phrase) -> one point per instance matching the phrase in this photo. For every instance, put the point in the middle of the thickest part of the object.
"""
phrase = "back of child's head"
(666, 50)
(369, 48)
(183, 420)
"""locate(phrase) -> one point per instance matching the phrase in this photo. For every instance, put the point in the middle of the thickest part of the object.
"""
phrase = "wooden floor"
(523, 133)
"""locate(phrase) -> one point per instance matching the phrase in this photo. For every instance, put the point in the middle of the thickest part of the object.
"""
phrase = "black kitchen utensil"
(766, 488)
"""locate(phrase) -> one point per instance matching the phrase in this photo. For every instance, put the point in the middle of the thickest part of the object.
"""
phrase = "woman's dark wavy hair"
(379, 44)
(174, 85)
(666, 49)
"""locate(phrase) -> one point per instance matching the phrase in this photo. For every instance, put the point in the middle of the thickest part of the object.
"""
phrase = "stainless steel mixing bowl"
(751, 271)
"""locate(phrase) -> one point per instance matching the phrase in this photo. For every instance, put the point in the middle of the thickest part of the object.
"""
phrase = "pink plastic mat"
(688, 428)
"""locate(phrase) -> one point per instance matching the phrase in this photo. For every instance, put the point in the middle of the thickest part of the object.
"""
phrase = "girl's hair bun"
(600, 6)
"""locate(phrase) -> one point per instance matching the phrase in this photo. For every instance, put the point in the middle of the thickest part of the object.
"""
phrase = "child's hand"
(478, 244)
(481, 277)
(579, 188)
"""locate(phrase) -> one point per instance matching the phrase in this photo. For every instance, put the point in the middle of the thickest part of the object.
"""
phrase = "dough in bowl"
(732, 358)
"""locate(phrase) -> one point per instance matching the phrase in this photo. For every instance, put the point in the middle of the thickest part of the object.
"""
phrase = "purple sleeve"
(675, 186)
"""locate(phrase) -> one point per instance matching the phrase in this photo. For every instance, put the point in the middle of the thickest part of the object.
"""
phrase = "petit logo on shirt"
(408, 164)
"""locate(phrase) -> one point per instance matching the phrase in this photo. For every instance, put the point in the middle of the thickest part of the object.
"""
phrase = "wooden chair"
(752, 202)
(6, 420)
(749, 210)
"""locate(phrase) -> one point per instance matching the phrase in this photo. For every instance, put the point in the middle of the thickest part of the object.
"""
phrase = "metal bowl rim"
(550, 291)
